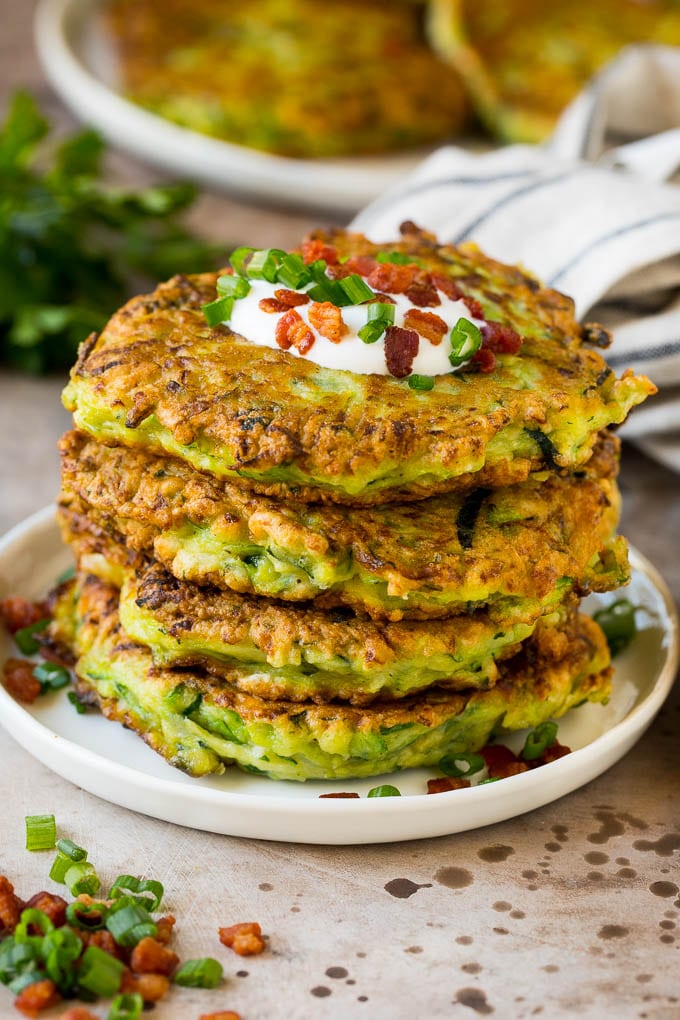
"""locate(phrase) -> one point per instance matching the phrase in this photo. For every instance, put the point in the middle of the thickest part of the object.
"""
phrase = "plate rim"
(342, 186)
(536, 785)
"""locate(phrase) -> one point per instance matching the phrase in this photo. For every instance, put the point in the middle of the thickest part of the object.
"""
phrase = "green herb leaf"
(618, 623)
(466, 339)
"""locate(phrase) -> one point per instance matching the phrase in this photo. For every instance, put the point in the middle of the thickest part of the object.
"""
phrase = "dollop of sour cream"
(351, 353)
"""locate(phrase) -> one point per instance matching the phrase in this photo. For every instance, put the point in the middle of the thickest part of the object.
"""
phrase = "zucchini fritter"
(199, 723)
(160, 379)
(512, 550)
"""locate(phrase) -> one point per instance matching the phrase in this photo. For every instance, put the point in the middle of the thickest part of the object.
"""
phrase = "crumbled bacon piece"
(422, 291)
(484, 360)
(338, 796)
(245, 938)
(78, 1013)
(447, 286)
(223, 1014)
(17, 613)
(19, 680)
(392, 277)
(363, 265)
(272, 305)
(552, 753)
(446, 783)
(327, 318)
(474, 307)
(164, 926)
(32, 999)
(501, 762)
(313, 250)
(401, 347)
(501, 339)
(429, 325)
(103, 940)
(51, 904)
(10, 907)
(151, 987)
(150, 957)
(293, 331)
(291, 298)
(383, 299)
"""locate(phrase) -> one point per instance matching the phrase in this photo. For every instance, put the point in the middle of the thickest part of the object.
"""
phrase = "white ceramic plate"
(78, 62)
(113, 763)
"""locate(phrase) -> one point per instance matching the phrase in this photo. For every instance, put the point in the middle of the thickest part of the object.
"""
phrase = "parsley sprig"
(71, 250)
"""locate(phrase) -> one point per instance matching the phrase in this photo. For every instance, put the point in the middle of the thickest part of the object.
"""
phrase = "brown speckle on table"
(596, 857)
(337, 972)
(612, 931)
(472, 968)
(454, 878)
(663, 847)
(464, 940)
(496, 853)
(402, 888)
(664, 889)
(474, 999)
(413, 949)
(320, 991)
(265, 887)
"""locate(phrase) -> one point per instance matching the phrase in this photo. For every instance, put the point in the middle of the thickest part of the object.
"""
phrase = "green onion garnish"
(238, 258)
(88, 916)
(329, 290)
(99, 972)
(457, 765)
(489, 779)
(466, 338)
(618, 623)
(232, 286)
(372, 331)
(60, 949)
(24, 637)
(356, 290)
(218, 311)
(128, 885)
(420, 382)
(130, 923)
(204, 973)
(263, 264)
(293, 272)
(396, 257)
(71, 850)
(41, 832)
(66, 575)
(381, 310)
(82, 878)
(126, 1007)
(538, 740)
(51, 676)
(73, 698)
(60, 866)
(29, 917)
(15, 958)
(27, 977)
(384, 791)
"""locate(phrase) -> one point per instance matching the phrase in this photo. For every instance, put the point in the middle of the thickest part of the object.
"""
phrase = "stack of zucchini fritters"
(315, 573)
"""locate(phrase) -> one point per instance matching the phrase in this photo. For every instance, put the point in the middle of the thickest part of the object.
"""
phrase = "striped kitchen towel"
(594, 213)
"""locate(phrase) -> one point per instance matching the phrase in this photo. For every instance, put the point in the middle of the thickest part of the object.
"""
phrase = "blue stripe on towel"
(612, 235)
(654, 353)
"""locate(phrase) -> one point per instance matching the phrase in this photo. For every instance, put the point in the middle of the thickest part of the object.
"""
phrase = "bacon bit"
(32, 999)
(151, 987)
(291, 298)
(391, 277)
(19, 680)
(245, 938)
(224, 1014)
(551, 753)
(52, 905)
(78, 1013)
(164, 926)
(150, 957)
(446, 783)
(422, 291)
(500, 338)
(429, 325)
(474, 307)
(293, 331)
(383, 299)
(337, 796)
(447, 286)
(327, 318)
(103, 940)
(271, 305)
(401, 347)
(484, 360)
(17, 613)
(361, 264)
(313, 250)
(501, 762)
(10, 907)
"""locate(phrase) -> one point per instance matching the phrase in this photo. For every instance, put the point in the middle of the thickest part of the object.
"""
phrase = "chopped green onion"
(618, 623)
(263, 264)
(203, 973)
(396, 257)
(99, 972)
(329, 290)
(125, 885)
(384, 791)
(24, 637)
(126, 1007)
(420, 382)
(66, 575)
(356, 290)
(130, 923)
(372, 331)
(237, 260)
(82, 878)
(218, 311)
(41, 832)
(293, 272)
(457, 765)
(23, 980)
(489, 779)
(381, 310)
(60, 866)
(538, 740)
(88, 916)
(71, 850)
(466, 338)
(51, 676)
(78, 705)
(29, 917)
(15, 958)
(232, 286)
(60, 949)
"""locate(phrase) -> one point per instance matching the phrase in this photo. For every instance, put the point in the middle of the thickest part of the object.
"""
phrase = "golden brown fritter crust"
(158, 377)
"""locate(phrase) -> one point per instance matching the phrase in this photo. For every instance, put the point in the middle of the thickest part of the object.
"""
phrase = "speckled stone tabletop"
(570, 911)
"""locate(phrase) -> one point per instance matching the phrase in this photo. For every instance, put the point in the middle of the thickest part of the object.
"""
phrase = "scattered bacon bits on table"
(501, 762)
(551, 753)
(51, 904)
(225, 1014)
(20, 681)
(32, 999)
(78, 1013)
(445, 783)
(17, 613)
(149, 956)
(245, 938)
(10, 907)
